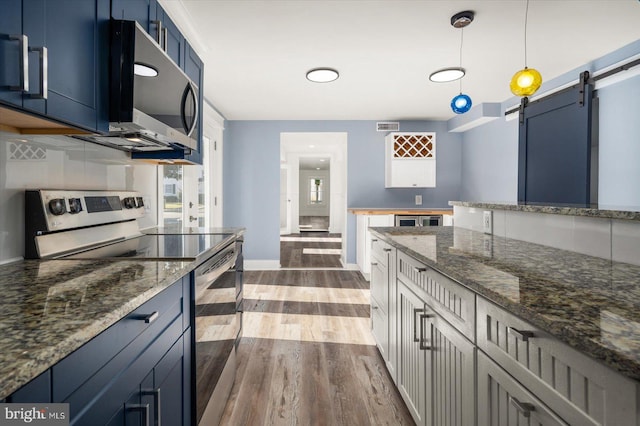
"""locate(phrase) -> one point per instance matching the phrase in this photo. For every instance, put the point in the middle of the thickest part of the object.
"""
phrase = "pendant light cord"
(526, 16)
(461, 42)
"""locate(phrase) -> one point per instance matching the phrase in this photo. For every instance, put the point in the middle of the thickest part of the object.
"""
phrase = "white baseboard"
(12, 260)
(261, 265)
(350, 266)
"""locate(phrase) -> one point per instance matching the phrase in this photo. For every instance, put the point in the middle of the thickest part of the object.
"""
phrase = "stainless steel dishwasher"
(217, 330)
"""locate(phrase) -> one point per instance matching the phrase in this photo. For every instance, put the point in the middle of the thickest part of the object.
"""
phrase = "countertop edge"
(51, 355)
(568, 211)
(605, 356)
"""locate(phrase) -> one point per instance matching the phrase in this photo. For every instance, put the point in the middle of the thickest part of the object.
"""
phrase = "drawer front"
(502, 401)
(449, 299)
(380, 251)
(380, 287)
(80, 365)
(581, 390)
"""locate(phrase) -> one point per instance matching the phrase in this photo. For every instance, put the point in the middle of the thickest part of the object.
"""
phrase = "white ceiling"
(256, 53)
(314, 163)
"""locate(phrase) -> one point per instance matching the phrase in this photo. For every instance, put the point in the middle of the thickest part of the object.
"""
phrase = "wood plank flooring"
(292, 251)
(307, 356)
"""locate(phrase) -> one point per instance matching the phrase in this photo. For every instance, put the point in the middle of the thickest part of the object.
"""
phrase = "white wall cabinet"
(410, 160)
(363, 238)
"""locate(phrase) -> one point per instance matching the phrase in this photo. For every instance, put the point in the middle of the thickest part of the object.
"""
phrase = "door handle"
(424, 347)
(188, 128)
(44, 72)
(192, 219)
(23, 42)
(164, 39)
(156, 403)
(415, 336)
(144, 408)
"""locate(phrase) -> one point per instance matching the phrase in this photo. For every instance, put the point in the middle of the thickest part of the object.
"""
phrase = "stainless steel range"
(87, 225)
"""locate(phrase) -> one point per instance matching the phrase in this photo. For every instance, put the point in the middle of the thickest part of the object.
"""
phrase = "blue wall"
(490, 151)
(252, 174)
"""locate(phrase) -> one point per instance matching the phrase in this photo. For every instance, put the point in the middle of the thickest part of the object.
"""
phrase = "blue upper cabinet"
(142, 11)
(171, 39)
(13, 46)
(59, 48)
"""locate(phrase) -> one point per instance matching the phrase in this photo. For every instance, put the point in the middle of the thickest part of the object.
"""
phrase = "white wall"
(46, 162)
(306, 208)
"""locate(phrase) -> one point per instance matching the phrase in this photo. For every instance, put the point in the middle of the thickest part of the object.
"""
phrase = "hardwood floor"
(307, 356)
(293, 255)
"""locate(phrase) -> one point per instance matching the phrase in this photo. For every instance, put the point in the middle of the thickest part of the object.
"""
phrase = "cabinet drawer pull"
(415, 335)
(387, 249)
(523, 335)
(373, 240)
(164, 39)
(148, 319)
(375, 308)
(423, 346)
(156, 403)
(374, 263)
(44, 72)
(420, 269)
(144, 408)
(23, 42)
(158, 25)
(524, 407)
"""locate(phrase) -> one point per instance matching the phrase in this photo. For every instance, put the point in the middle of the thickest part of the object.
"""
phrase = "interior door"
(285, 201)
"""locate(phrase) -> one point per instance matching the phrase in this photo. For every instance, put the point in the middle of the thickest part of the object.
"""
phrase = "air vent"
(387, 126)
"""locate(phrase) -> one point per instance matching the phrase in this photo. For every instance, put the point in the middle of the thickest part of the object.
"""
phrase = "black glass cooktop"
(157, 247)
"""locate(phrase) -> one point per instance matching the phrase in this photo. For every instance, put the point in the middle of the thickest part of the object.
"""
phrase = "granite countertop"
(49, 309)
(601, 211)
(589, 303)
(408, 211)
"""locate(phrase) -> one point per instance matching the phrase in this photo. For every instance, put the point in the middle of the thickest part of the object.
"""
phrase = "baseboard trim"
(350, 266)
(261, 265)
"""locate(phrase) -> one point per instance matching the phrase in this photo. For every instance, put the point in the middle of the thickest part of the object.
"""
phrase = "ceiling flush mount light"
(144, 70)
(528, 80)
(446, 75)
(322, 75)
(461, 103)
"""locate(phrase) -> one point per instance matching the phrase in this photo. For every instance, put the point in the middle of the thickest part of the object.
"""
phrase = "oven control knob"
(75, 206)
(129, 202)
(139, 202)
(57, 206)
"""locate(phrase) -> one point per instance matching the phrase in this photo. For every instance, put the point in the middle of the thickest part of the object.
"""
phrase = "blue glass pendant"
(461, 104)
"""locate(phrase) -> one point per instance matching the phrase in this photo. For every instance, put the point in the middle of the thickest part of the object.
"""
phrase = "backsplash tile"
(60, 162)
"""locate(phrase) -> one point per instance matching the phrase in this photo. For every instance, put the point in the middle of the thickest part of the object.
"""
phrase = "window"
(316, 190)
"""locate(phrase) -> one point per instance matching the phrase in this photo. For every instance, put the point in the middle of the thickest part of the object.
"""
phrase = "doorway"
(313, 200)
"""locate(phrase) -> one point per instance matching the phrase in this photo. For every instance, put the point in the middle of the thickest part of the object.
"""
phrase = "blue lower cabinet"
(37, 390)
(133, 373)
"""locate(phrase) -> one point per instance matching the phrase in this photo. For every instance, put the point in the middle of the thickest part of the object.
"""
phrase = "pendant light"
(528, 80)
(462, 102)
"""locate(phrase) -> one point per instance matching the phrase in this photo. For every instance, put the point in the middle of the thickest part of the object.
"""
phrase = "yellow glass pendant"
(525, 82)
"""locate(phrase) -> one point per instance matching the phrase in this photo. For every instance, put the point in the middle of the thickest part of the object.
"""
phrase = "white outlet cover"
(418, 200)
(487, 222)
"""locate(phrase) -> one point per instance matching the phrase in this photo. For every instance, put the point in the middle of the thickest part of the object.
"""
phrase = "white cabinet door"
(410, 160)
(502, 401)
(451, 385)
(363, 238)
(411, 359)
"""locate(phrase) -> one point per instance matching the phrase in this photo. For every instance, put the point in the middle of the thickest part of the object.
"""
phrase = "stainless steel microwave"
(427, 220)
(153, 105)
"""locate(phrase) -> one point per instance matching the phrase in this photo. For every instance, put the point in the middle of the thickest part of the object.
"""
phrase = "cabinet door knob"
(524, 407)
(523, 335)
